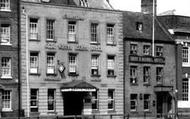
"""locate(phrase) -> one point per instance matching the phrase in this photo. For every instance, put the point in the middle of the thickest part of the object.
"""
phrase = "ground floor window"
(146, 102)
(133, 102)
(34, 100)
(111, 100)
(51, 99)
(95, 100)
(6, 100)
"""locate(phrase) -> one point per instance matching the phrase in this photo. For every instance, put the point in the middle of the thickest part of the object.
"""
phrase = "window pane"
(50, 63)
(110, 33)
(72, 31)
(34, 28)
(72, 63)
(6, 99)
(94, 27)
(5, 34)
(185, 89)
(50, 29)
(6, 66)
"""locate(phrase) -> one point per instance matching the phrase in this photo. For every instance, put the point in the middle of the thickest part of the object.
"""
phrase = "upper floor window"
(146, 102)
(185, 55)
(6, 100)
(133, 102)
(5, 34)
(6, 67)
(111, 100)
(111, 65)
(34, 100)
(72, 63)
(95, 100)
(159, 75)
(133, 74)
(34, 63)
(139, 26)
(72, 31)
(4, 5)
(94, 32)
(50, 63)
(146, 75)
(185, 89)
(50, 30)
(95, 65)
(110, 34)
(133, 49)
(33, 28)
(146, 50)
(159, 51)
(83, 3)
(51, 99)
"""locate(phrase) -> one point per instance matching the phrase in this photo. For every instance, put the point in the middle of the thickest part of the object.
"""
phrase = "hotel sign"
(53, 46)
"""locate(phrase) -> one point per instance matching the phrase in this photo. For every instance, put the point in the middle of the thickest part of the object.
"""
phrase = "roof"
(77, 85)
(129, 27)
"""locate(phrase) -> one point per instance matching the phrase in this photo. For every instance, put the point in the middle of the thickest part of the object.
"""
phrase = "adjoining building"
(150, 66)
(9, 68)
(72, 58)
(179, 27)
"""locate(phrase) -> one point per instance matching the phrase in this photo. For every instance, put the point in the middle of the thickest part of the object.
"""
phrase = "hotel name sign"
(53, 46)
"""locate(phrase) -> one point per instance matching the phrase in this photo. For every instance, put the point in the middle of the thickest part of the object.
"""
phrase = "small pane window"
(111, 65)
(5, 34)
(185, 89)
(6, 67)
(6, 100)
(133, 101)
(4, 5)
(72, 63)
(33, 29)
(34, 62)
(95, 65)
(72, 31)
(94, 32)
(111, 101)
(50, 63)
(185, 54)
(110, 34)
(50, 30)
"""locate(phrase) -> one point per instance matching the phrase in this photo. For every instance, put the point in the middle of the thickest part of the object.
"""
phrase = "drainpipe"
(27, 59)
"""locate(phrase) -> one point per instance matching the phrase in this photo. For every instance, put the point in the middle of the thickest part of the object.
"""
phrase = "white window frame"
(5, 34)
(159, 51)
(7, 103)
(36, 100)
(5, 5)
(50, 29)
(147, 50)
(185, 89)
(51, 63)
(34, 62)
(6, 67)
(111, 99)
(185, 55)
(95, 65)
(133, 75)
(95, 100)
(132, 99)
(110, 31)
(94, 32)
(33, 29)
(146, 74)
(72, 27)
(111, 65)
(147, 100)
(51, 99)
(72, 63)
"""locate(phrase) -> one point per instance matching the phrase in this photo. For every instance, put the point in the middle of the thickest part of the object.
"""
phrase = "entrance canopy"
(78, 86)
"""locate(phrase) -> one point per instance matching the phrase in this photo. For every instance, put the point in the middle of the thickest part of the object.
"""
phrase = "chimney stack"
(147, 6)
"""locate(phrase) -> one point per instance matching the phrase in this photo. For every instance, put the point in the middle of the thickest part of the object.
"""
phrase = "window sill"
(74, 42)
(37, 40)
(94, 43)
(7, 44)
(95, 75)
(51, 40)
(35, 74)
(6, 110)
(111, 76)
(6, 77)
(5, 10)
(109, 44)
(73, 74)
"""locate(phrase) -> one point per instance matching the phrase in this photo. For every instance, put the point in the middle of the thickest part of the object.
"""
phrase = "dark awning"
(78, 86)
(163, 88)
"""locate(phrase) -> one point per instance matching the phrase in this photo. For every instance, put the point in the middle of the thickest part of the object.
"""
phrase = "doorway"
(73, 103)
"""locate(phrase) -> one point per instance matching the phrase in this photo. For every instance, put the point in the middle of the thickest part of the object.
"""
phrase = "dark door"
(73, 103)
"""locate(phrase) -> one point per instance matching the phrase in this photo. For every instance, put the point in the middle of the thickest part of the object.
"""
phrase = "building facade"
(72, 58)
(9, 72)
(179, 28)
(149, 66)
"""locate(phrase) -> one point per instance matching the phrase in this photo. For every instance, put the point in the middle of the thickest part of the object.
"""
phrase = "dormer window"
(139, 26)
(83, 3)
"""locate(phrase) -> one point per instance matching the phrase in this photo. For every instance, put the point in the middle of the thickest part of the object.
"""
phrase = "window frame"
(133, 75)
(51, 65)
(73, 64)
(185, 54)
(34, 29)
(5, 31)
(95, 65)
(34, 67)
(135, 100)
(146, 76)
(111, 99)
(35, 100)
(95, 100)
(110, 34)
(139, 26)
(185, 89)
(94, 36)
(159, 75)
(53, 100)
(147, 50)
(147, 101)
(4, 68)
(50, 30)
(72, 31)
(133, 49)
(111, 65)
(6, 8)
(159, 51)
(10, 101)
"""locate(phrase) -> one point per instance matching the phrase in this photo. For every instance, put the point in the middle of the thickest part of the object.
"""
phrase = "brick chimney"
(147, 6)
